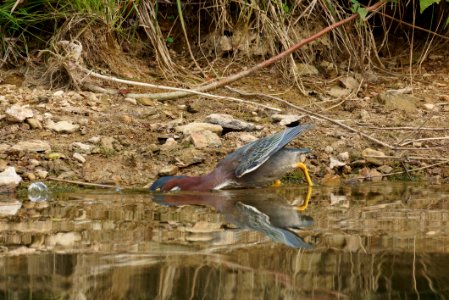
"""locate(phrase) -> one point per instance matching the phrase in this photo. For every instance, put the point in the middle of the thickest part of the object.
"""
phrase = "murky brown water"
(386, 241)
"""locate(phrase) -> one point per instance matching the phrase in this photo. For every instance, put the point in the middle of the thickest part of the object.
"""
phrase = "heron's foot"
(303, 168)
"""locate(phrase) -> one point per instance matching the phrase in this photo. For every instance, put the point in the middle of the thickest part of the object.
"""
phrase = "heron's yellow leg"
(304, 205)
(303, 168)
(277, 183)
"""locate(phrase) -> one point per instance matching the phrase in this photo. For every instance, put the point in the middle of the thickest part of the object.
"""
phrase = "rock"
(29, 175)
(42, 174)
(335, 163)
(385, 169)
(62, 126)
(350, 83)
(205, 227)
(330, 180)
(59, 93)
(306, 69)
(397, 100)
(338, 92)
(107, 144)
(81, 148)
(229, 122)
(79, 157)
(198, 126)
(370, 174)
(205, 139)
(188, 157)
(34, 123)
(375, 175)
(246, 138)
(344, 156)
(95, 140)
(285, 119)
(9, 207)
(4, 148)
(429, 106)
(32, 146)
(9, 179)
(170, 144)
(371, 155)
(328, 149)
(168, 171)
(131, 100)
(55, 155)
(17, 113)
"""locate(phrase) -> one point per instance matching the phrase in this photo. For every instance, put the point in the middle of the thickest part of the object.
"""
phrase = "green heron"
(253, 165)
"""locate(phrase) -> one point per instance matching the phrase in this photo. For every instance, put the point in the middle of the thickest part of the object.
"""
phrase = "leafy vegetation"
(235, 29)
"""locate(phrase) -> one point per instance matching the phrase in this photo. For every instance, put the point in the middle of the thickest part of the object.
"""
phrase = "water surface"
(385, 241)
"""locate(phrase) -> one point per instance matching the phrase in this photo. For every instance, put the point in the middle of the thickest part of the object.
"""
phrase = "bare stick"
(109, 186)
(425, 139)
(264, 64)
(163, 87)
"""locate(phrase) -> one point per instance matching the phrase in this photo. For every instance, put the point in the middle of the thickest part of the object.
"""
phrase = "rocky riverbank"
(97, 138)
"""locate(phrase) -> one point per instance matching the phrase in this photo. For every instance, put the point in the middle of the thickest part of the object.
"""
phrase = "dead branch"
(264, 64)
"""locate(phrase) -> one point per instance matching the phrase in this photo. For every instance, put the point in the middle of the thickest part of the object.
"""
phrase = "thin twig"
(109, 186)
(425, 139)
(323, 117)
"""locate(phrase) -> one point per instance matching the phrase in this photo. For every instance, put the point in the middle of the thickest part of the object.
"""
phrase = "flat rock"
(188, 157)
(62, 126)
(229, 122)
(335, 163)
(34, 123)
(396, 100)
(79, 157)
(9, 178)
(205, 139)
(9, 208)
(32, 146)
(170, 144)
(17, 113)
(81, 148)
(385, 169)
(168, 171)
(198, 126)
(370, 156)
(285, 119)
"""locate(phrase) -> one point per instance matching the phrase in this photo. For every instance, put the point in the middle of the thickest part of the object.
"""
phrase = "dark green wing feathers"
(258, 152)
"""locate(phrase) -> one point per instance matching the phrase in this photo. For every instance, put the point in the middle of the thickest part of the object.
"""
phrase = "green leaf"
(424, 4)
(170, 40)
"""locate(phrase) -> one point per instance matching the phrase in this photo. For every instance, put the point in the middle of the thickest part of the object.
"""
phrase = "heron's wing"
(258, 152)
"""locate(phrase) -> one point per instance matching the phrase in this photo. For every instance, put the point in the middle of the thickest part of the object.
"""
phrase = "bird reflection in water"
(262, 210)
